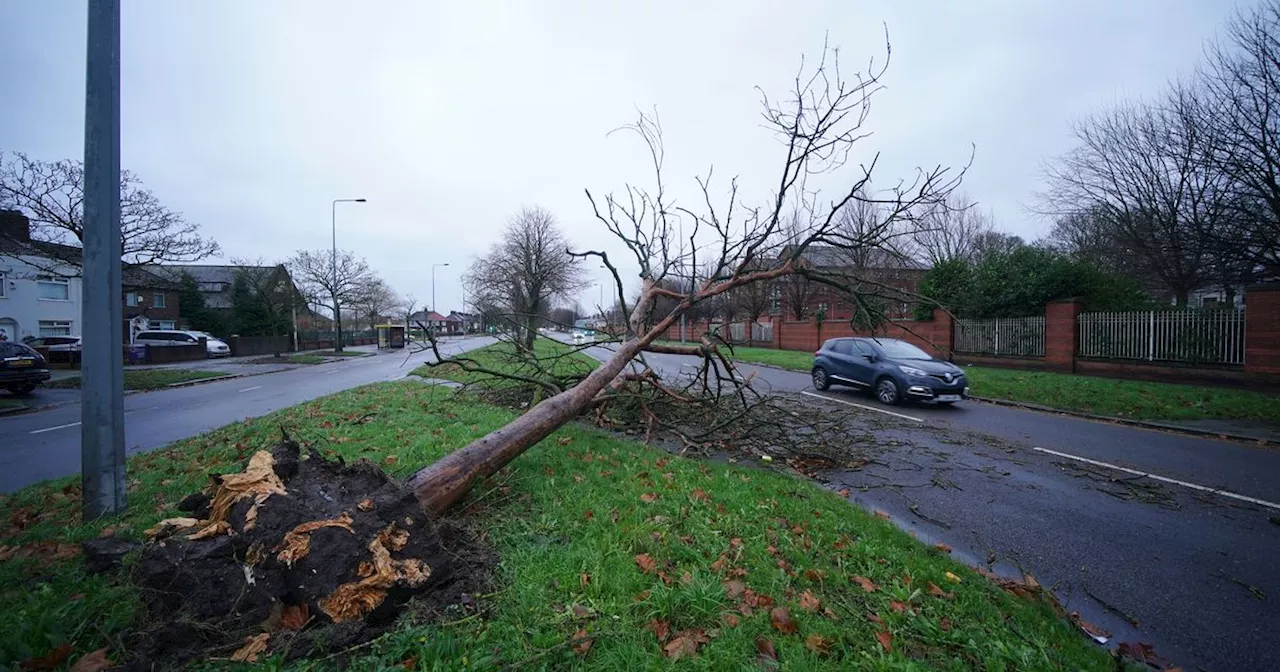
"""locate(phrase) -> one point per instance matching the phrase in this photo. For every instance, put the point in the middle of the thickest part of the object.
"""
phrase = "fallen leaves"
(882, 515)
(867, 584)
(952, 577)
(897, 607)
(699, 495)
(646, 563)
(817, 644)
(295, 616)
(94, 661)
(809, 602)
(581, 640)
(780, 617)
(253, 645)
(649, 497)
(765, 650)
(49, 661)
(42, 550)
(365, 504)
(584, 579)
(685, 643)
(944, 624)
(942, 547)
(734, 589)
(936, 591)
(390, 460)
(886, 640)
(661, 629)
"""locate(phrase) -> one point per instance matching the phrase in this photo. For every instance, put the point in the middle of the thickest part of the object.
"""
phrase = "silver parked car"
(164, 337)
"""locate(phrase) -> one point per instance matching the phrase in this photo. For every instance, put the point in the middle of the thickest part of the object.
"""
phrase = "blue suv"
(894, 369)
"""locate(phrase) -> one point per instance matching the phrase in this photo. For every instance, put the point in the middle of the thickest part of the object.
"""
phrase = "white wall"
(21, 309)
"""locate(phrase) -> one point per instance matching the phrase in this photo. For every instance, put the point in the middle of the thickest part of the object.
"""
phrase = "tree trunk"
(446, 481)
(337, 325)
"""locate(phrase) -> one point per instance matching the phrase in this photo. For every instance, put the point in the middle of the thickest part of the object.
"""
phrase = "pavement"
(46, 444)
(1156, 536)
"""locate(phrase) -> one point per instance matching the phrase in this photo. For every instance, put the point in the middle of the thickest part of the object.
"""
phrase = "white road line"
(1165, 479)
(330, 371)
(250, 389)
(869, 408)
(50, 429)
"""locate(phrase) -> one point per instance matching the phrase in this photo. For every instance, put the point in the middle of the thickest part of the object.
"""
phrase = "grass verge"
(9, 402)
(1135, 399)
(554, 357)
(600, 539)
(148, 379)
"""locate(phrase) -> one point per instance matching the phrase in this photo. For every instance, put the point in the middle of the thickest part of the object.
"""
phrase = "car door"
(862, 362)
(840, 353)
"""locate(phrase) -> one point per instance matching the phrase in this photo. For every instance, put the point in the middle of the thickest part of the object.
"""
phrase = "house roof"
(427, 316)
(206, 274)
(70, 256)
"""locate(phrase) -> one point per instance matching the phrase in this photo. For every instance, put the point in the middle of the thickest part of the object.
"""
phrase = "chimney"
(14, 226)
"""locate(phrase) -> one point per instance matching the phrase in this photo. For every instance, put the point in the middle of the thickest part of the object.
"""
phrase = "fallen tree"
(819, 124)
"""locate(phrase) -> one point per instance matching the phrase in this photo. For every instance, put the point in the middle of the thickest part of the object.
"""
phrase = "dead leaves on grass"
(780, 617)
(867, 584)
(40, 550)
(685, 643)
(95, 661)
(646, 563)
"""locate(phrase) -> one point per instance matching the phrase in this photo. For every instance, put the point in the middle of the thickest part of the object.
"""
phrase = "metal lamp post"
(333, 264)
(433, 284)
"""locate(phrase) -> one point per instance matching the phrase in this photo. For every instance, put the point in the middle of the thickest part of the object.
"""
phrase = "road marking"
(869, 408)
(250, 389)
(50, 429)
(330, 371)
(1156, 477)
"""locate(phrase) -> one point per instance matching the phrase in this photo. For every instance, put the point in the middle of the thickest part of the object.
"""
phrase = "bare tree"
(51, 194)
(1145, 171)
(338, 278)
(818, 125)
(950, 230)
(523, 273)
(375, 299)
(408, 306)
(1241, 111)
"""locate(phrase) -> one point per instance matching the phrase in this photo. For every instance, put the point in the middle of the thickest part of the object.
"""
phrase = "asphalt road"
(46, 444)
(1192, 572)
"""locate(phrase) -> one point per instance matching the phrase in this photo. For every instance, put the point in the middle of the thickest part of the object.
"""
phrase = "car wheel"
(887, 392)
(820, 381)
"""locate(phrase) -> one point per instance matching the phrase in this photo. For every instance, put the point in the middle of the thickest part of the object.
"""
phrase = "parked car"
(579, 337)
(21, 368)
(214, 347)
(56, 343)
(894, 370)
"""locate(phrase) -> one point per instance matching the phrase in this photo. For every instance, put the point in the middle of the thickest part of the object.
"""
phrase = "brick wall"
(1262, 344)
(1262, 330)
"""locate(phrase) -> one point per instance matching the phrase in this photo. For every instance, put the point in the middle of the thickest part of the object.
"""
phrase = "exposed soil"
(316, 556)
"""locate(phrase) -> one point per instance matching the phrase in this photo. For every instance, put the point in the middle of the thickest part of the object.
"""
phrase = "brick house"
(879, 276)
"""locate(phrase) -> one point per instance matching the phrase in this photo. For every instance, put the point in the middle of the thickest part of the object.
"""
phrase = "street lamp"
(333, 263)
(433, 284)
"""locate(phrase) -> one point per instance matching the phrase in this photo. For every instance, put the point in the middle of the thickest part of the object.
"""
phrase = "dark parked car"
(21, 368)
(895, 370)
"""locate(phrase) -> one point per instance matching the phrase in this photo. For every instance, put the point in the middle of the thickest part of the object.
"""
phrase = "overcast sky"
(250, 117)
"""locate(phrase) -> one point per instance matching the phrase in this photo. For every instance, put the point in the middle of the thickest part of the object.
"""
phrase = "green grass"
(304, 359)
(148, 379)
(1124, 398)
(554, 356)
(1088, 394)
(9, 401)
(568, 520)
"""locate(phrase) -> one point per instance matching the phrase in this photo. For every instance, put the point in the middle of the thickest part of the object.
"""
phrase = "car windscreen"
(901, 350)
(11, 349)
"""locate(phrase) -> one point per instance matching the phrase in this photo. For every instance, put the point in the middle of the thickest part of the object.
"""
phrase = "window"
(49, 288)
(157, 300)
(55, 328)
(4, 286)
(164, 324)
(131, 299)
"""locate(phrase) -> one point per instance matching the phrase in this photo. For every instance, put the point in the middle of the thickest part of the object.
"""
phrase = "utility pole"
(102, 358)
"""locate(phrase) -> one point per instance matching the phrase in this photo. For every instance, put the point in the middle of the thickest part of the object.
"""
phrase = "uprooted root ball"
(294, 554)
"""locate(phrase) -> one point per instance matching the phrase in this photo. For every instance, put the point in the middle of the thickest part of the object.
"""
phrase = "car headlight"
(913, 371)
